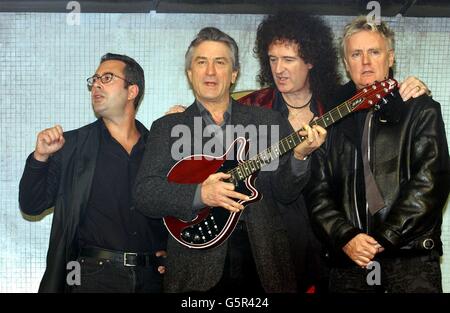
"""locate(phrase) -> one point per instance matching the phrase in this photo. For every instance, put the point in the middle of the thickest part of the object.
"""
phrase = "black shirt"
(305, 247)
(110, 220)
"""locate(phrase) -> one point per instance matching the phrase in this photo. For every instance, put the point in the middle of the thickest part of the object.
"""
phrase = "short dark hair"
(316, 47)
(133, 73)
(213, 34)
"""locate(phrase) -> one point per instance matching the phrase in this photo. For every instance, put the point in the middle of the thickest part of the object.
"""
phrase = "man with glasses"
(87, 175)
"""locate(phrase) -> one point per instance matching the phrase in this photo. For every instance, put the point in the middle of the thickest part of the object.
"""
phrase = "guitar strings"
(268, 151)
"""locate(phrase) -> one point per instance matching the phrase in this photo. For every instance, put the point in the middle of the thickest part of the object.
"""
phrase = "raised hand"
(412, 87)
(177, 108)
(48, 142)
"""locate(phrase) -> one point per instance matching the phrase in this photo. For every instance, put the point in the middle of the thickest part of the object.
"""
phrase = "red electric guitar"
(213, 225)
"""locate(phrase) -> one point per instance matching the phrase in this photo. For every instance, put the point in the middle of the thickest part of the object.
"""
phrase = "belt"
(123, 258)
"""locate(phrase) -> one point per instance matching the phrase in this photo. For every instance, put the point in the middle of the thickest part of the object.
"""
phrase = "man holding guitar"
(247, 250)
(378, 188)
(299, 78)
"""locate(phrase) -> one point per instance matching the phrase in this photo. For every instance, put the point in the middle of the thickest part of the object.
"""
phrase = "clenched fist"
(48, 142)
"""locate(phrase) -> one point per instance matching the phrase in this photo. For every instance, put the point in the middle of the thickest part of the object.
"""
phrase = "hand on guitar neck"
(315, 137)
(215, 192)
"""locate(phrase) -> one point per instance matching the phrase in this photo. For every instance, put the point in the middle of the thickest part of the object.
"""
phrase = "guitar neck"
(247, 168)
(337, 113)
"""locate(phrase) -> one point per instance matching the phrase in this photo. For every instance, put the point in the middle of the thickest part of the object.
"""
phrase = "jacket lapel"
(195, 123)
(86, 158)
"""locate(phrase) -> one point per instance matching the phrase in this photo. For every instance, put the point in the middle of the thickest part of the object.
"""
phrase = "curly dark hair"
(315, 40)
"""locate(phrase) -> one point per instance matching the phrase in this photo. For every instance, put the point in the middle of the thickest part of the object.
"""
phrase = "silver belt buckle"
(125, 255)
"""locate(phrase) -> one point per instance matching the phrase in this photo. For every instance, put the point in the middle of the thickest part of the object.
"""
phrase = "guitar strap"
(374, 198)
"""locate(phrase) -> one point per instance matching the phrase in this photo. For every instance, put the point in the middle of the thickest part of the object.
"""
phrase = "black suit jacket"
(194, 270)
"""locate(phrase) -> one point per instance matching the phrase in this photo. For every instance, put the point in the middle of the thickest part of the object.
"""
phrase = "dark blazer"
(194, 270)
(65, 183)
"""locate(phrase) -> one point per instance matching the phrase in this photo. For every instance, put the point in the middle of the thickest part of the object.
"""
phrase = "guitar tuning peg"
(377, 107)
(384, 101)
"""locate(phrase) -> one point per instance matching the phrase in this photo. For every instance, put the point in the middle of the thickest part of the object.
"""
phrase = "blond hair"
(362, 23)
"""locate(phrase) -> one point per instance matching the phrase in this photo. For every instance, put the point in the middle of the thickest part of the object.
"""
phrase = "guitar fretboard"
(247, 168)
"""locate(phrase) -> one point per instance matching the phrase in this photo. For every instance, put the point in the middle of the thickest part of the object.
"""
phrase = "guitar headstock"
(370, 96)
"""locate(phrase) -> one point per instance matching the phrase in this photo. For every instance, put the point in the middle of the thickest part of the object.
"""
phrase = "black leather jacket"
(410, 162)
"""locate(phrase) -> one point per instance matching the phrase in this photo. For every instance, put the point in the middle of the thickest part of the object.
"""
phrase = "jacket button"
(428, 244)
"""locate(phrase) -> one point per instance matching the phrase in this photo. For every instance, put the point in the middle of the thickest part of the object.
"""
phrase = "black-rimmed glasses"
(105, 79)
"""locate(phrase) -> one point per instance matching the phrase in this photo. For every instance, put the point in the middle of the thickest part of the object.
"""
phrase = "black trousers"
(110, 277)
(403, 274)
(239, 274)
